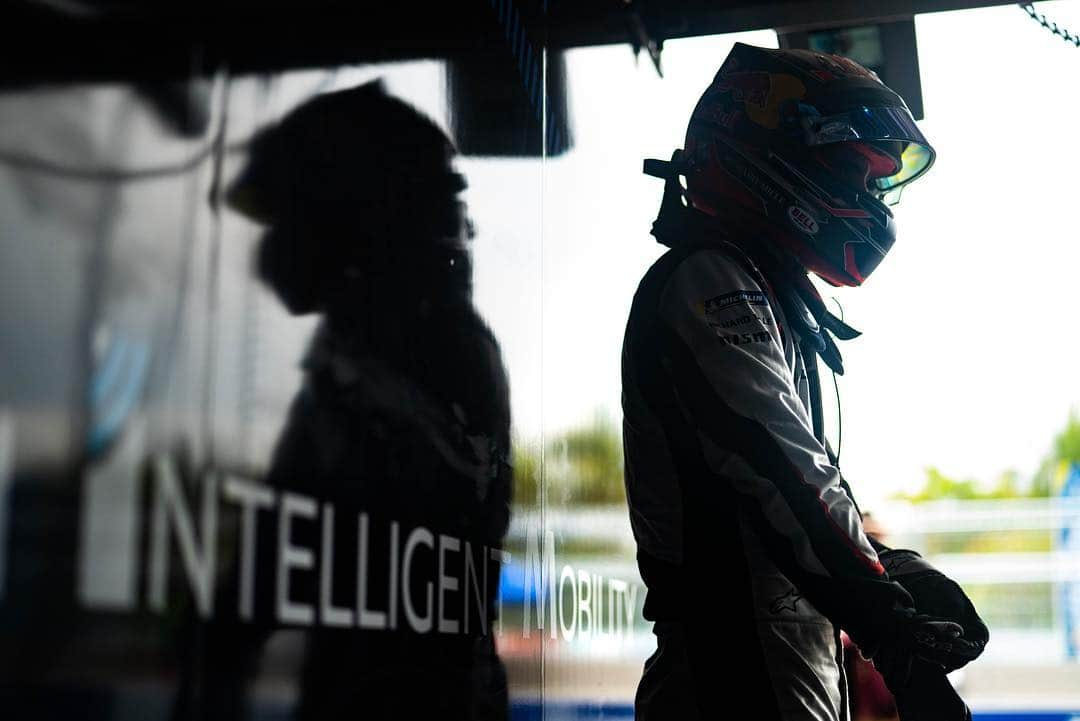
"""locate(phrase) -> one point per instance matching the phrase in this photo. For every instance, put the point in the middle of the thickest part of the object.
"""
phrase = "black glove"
(903, 636)
(925, 694)
(938, 596)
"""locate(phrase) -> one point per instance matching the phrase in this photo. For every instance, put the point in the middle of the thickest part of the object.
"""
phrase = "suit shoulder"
(708, 268)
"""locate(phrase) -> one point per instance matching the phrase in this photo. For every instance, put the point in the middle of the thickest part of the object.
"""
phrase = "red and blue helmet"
(808, 149)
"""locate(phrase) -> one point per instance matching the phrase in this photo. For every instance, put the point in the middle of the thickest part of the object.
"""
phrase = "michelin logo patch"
(749, 297)
(729, 311)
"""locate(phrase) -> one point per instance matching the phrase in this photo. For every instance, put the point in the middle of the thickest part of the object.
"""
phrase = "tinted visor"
(889, 124)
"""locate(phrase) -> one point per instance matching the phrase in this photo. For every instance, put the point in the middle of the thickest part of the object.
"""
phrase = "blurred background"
(131, 323)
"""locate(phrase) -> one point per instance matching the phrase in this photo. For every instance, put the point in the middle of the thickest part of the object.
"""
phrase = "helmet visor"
(868, 124)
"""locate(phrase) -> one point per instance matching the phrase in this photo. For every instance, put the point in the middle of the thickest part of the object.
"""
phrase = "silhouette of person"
(403, 416)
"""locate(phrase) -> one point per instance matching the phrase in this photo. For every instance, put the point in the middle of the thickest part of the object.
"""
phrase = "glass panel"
(294, 426)
(257, 445)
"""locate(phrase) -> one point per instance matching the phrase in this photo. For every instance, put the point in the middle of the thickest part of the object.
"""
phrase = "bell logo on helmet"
(802, 220)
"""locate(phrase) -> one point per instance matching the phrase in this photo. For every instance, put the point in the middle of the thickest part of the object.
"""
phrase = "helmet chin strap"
(679, 226)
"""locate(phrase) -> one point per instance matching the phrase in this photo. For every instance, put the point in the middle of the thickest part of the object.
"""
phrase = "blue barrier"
(555, 711)
(1026, 716)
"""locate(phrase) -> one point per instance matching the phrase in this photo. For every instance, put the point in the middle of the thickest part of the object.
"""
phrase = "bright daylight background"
(968, 360)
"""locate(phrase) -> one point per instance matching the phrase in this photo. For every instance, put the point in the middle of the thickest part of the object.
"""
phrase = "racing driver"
(749, 540)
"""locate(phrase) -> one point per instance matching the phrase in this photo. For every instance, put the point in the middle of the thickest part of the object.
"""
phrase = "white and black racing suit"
(749, 542)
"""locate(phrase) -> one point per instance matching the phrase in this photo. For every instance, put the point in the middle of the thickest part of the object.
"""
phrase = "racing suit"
(749, 542)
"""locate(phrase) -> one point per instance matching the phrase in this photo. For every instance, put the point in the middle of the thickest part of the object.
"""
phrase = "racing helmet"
(807, 149)
(353, 185)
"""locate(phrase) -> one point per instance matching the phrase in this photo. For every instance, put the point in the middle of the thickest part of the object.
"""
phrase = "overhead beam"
(111, 40)
(578, 24)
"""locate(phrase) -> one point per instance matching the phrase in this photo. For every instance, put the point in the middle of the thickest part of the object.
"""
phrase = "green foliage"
(1065, 451)
(1042, 484)
(582, 466)
(938, 486)
(594, 461)
(526, 462)
(1007, 486)
(1014, 605)
(1013, 541)
(1067, 443)
(1064, 454)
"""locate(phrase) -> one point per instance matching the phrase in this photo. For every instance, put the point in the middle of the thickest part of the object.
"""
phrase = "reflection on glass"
(378, 528)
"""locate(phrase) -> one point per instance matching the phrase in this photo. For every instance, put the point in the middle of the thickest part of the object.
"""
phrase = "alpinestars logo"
(787, 602)
(761, 336)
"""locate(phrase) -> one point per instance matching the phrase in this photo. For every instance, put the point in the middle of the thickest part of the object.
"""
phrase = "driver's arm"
(717, 333)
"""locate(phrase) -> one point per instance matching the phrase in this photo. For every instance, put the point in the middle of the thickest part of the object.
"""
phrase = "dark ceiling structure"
(80, 40)
(494, 50)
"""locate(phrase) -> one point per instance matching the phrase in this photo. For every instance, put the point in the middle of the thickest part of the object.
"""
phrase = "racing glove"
(911, 661)
(936, 595)
(925, 694)
(903, 636)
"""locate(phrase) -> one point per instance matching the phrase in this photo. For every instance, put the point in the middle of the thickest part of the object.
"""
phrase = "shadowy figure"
(403, 416)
